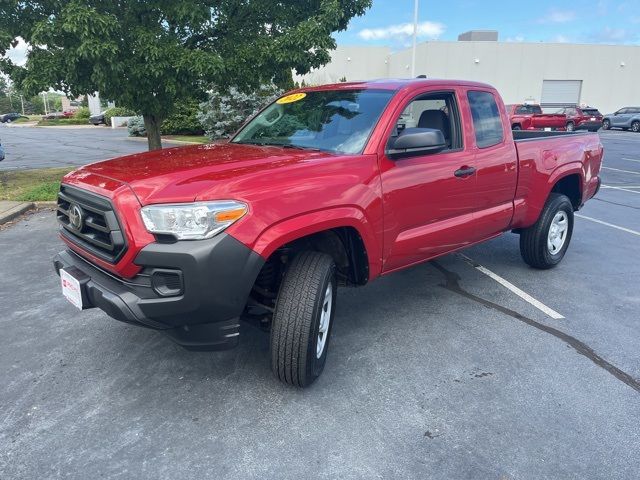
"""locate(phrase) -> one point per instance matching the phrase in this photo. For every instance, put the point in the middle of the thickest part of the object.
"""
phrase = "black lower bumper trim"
(218, 275)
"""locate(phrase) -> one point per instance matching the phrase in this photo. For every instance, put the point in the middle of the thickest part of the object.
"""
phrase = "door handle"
(464, 172)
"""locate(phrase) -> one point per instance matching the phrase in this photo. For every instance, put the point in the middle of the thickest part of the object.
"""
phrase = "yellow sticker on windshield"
(294, 97)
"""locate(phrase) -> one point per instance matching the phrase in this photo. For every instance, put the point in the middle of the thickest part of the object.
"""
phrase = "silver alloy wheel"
(635, 127)
(570, 127)
(557, 232)
(325, 319)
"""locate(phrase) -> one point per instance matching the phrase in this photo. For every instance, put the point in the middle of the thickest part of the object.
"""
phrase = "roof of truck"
(395, 84)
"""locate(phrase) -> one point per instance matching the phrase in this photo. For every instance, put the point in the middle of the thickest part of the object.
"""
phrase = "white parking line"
(522, 294)
(619, 170)
(624, 229)
(631, 159)
(625, 189)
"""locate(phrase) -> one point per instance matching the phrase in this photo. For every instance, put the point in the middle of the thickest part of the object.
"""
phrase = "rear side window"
(487, 122)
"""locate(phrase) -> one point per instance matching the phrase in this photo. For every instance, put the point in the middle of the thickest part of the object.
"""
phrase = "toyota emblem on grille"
(76, 219)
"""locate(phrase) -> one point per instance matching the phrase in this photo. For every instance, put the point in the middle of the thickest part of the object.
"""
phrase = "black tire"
(571, 127)
(533, 240)
(635, 126)
(516, 127)
(296, 319)
(606, 125)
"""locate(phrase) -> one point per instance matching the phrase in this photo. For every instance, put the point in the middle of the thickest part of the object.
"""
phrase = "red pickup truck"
(328, 186)
(530, 117)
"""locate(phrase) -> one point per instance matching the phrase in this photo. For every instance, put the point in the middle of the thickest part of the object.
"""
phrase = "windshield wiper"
(283, 145)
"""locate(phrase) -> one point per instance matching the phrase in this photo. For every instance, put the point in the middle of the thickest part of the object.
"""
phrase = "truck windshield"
(332, 120)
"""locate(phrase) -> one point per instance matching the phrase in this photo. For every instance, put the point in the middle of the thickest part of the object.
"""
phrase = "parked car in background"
(1, 152)
(53, 116)
(582, 118)
(627, 118)
(530, 117)
(68, 113)
(322, 188)
(98, 119)
(10, 117)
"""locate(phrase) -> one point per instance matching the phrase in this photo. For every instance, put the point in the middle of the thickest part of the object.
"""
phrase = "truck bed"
(525, 135)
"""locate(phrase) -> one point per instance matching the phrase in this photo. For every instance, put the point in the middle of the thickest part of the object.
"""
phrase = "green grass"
(28, 119)
(187, 138)
(63, 121)
(31, 185)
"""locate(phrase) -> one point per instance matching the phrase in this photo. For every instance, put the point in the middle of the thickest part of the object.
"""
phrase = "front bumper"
(216, 277)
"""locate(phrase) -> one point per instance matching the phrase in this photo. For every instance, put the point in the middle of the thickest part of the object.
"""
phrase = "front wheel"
(635, 126)
(544, 244)
(302, 320)
(570, 127)
(606, 125)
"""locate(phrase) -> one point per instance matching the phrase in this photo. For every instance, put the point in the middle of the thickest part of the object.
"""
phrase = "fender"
(309, 223)
(528, 208)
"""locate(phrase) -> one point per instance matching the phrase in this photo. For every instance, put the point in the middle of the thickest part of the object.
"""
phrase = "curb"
(16, 211)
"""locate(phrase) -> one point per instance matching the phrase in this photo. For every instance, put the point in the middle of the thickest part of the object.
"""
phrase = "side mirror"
(416, 141)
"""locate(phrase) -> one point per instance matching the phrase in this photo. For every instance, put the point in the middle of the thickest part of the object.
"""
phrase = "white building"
(602, 76)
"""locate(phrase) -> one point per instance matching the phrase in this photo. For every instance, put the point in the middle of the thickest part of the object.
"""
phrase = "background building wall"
(517, 70)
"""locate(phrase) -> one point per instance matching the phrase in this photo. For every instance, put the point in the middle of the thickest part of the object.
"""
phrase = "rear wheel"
(516, 127)
(606, 125)
(544, 244)
(570, 127)
(302, 320)
(635, 126)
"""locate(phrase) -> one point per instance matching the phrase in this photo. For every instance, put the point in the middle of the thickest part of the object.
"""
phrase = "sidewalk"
(11, 210)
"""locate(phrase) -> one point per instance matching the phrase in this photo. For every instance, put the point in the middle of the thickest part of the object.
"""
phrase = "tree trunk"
(152, 126)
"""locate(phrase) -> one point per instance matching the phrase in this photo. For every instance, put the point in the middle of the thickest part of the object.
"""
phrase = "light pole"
(415, 36)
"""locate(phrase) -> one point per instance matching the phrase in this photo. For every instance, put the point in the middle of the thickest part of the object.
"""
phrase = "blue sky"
(388, 22)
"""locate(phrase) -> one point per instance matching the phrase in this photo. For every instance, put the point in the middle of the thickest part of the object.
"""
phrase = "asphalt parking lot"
(48, 147)
(435, 372)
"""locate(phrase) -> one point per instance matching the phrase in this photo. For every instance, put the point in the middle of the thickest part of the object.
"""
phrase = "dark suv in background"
(582, 118)
(627, 118)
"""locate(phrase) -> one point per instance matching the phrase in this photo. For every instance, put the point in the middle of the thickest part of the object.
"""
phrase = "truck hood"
(201, 172)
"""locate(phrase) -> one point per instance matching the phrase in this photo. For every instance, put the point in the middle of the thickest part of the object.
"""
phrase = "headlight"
(192, 221)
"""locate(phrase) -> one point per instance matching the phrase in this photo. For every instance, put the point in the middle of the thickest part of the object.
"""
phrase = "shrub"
(135, 127)
(184, 120)
(225, 112)
(82, 112)
(117, 112)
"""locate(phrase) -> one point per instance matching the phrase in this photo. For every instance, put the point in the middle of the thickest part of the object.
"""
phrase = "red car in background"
(582, 118)
(530, 117)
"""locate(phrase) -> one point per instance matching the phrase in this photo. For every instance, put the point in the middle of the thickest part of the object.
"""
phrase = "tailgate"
(544, 120)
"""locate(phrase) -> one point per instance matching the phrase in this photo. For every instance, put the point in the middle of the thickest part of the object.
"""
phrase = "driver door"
(429, 198)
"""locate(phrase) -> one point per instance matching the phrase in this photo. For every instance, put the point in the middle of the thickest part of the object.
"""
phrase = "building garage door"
(560, 93)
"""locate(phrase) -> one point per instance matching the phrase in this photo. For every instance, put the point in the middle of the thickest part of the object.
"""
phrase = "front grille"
(88, 220)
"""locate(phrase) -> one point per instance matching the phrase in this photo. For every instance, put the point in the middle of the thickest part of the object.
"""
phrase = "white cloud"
(558, 16)
(18, 54)
(614, 36)
(516, 39)
(559, 39)
(430, 30)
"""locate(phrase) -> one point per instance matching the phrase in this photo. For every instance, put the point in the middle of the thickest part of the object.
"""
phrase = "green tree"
(148, 55)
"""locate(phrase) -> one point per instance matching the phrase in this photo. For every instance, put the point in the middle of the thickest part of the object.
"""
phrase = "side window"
(433, 110)
(487, 122)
